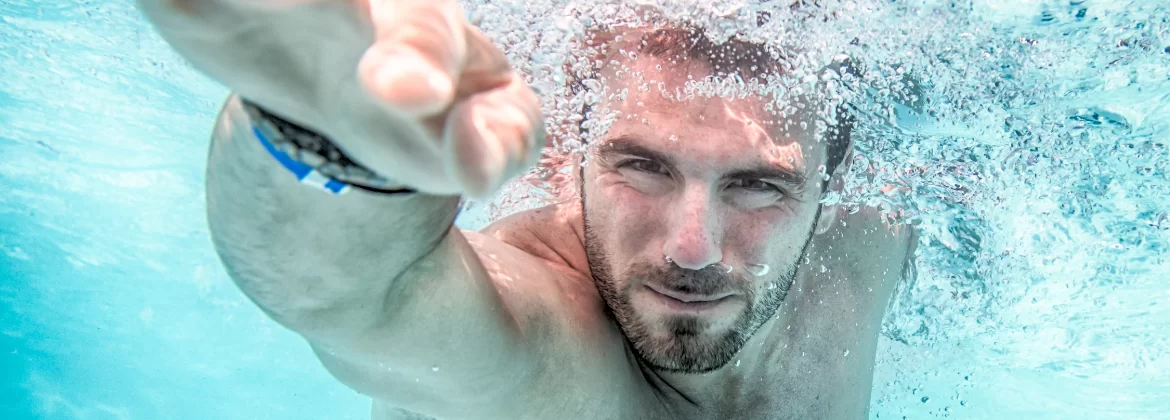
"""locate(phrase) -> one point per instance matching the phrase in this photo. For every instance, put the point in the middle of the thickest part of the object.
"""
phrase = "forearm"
(313, 261)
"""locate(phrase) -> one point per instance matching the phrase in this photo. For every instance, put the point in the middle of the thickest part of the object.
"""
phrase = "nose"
(694, 237)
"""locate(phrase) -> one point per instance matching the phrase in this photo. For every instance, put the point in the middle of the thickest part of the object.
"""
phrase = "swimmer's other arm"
(391, 296)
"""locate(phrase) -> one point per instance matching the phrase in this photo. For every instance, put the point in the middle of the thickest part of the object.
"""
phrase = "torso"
(821, 361)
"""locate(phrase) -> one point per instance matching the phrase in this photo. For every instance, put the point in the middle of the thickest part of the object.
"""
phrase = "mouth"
(688, 302)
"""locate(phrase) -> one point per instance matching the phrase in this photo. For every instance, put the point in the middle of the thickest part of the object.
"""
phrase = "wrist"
(313, 158)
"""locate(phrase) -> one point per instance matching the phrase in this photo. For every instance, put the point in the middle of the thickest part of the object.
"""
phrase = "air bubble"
(758, 270)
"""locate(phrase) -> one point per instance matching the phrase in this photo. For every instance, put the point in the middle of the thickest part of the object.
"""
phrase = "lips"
(688, 297)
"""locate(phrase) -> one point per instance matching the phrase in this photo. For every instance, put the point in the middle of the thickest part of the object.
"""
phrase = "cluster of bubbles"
(1026, 140)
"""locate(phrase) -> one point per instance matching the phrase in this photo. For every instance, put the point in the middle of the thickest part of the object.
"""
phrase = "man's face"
(676, 194)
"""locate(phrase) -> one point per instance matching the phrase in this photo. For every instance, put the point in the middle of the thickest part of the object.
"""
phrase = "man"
(697, 275)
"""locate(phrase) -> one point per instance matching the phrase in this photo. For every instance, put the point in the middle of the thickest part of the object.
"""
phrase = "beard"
(683, 343)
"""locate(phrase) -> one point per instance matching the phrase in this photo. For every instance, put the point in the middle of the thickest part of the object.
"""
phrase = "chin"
(691, 354)
(688, 343)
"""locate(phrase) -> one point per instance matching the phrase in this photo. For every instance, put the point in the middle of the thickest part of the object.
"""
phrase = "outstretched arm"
(397, 303)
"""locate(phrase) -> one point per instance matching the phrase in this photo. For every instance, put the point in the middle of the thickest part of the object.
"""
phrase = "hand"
(405, 87)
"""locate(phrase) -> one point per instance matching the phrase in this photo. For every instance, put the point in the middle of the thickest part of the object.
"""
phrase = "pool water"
(1035, 162)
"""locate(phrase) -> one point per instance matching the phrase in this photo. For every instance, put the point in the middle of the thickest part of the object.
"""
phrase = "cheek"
(625, 218)
(635, 218)
(752, 236)
(765, 235)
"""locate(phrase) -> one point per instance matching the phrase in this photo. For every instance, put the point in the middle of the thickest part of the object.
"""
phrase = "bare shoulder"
(552, 233)
(869, 228)
(581, 348)
(546, 238)
(839, 302)
(871, 249)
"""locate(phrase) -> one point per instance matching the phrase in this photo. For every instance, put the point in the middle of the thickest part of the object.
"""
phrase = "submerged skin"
(811, 359)
(511, 322)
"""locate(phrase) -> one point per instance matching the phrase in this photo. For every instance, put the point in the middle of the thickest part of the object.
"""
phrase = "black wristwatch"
(312, 157)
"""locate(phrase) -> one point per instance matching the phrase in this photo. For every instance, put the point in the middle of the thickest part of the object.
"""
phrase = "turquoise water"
(1039, 177)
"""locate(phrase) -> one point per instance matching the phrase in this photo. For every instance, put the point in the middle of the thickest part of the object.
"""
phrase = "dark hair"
(734, 56)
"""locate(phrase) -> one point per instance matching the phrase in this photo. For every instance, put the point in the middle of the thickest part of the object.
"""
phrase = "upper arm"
(464, 330)
(397, 302)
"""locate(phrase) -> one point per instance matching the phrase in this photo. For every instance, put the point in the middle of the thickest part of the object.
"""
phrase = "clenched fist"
(404, 87)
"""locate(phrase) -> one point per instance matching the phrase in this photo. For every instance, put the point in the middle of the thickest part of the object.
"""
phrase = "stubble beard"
(687, 347)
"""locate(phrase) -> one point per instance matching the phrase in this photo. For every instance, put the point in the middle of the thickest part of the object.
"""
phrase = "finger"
(484, 68)
(493, 136)
(417, 53)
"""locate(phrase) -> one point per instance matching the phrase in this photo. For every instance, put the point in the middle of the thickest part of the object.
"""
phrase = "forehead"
(649, 99)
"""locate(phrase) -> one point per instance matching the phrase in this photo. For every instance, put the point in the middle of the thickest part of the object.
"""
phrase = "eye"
(755, 185)
(644, 165)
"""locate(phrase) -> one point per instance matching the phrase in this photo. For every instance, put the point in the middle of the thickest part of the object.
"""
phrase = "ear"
(836, 184)
(579, 171)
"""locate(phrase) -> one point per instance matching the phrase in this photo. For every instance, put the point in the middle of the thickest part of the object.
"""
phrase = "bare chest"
(819, 359)
(822, 369)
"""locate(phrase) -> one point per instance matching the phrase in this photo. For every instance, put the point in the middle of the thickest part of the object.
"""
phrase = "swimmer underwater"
(694, 275)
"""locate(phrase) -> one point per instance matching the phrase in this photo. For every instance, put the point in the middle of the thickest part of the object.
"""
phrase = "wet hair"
(686, 43)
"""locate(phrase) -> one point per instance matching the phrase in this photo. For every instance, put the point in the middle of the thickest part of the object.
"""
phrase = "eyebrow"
(627, 146)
